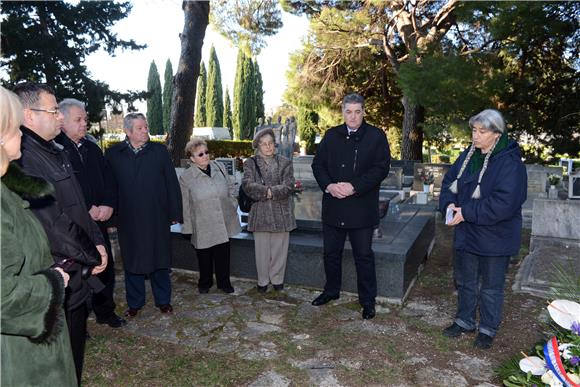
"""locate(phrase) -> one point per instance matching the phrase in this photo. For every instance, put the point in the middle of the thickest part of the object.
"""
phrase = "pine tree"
(259, 91)
(214, 95)
(200, 103)
(227, 120)
(154, 105)
(167, 94)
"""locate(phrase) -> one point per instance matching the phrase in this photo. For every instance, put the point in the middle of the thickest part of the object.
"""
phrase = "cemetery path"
(248, 339)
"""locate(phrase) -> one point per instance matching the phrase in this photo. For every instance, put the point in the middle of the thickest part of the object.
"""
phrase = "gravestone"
(538, 179)
(438, 171)
(228, 163)
(303, 168)
(407, 165)
(554, 245)
(394, 181)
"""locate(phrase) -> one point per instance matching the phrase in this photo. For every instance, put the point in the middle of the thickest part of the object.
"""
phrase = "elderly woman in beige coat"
(209, 215)
(271, 218)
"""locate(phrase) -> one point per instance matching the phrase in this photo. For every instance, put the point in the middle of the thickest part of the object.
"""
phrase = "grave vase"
(553, 192)
(427, 188)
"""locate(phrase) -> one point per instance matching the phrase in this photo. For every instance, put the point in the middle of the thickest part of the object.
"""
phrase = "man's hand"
(94, 212)
(103, 265)
(347, 188)
(65, 276)
(336, 191)
(105, 213)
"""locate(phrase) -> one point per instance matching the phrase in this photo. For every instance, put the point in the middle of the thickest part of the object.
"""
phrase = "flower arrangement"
(553, 179)
(297, 190)
(557, 362)
(427, 178)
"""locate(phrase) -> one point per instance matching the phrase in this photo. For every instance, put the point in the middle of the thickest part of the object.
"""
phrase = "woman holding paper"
(482, 196)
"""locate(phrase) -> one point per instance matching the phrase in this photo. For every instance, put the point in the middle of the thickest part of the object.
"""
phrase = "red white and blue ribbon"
(554, 363)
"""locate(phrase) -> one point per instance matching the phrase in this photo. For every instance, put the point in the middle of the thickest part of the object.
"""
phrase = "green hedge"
(217, 148)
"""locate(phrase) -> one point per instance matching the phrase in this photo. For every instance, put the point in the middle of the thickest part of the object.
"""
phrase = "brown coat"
(276, 214)
(209, 206)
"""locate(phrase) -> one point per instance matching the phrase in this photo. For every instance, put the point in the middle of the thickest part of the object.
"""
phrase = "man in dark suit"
(148, 202)
(350, 162)
(75, 240)
(89, 167)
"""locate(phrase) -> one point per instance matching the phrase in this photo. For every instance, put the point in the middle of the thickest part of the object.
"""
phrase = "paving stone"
(253, 352)
(223, 345)
(323, 378)
(256, 329)
(211, 313)
(271, 379)
(475, 367)
(366, 326)
(431, 376)
(275, 319)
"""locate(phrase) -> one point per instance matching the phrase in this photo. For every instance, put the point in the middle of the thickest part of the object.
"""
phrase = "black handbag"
(244, 201)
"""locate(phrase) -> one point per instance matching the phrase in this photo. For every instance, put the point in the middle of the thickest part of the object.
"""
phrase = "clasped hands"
(457, 215)
(340, 190)
(101, 213)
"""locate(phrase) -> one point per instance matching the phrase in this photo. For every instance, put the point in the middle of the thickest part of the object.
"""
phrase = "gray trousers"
(271, 255)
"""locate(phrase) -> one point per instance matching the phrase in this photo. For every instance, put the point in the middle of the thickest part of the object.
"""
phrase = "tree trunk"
(184, 83)
(412, 139)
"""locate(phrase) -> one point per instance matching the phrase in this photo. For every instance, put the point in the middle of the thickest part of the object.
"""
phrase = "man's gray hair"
(129, 118)
(353, 98)
(65, 105)
(489, 119)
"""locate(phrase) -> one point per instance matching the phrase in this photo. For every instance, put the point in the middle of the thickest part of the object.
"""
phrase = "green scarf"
(476, 162)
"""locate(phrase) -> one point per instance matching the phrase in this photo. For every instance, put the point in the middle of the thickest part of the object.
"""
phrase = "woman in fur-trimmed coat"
(272, 217)
(35, 343)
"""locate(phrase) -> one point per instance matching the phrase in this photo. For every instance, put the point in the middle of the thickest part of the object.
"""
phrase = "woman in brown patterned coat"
(272, 217)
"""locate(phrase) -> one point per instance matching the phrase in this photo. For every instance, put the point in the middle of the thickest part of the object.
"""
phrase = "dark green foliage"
(167, 94)
(227, 121)
(214, 95)
(229, 148)
(307, 121)
(259, 91)
(200, 117)
(48, 41)
(246, 22)
(154, 104)
(244, 117)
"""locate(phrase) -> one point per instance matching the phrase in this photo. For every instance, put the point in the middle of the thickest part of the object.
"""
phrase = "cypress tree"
(200, 103)
(248, 103)
(227, 120)
(167, 95)
(154, 105)
(214, 95)
(259, 91)
(238, 84)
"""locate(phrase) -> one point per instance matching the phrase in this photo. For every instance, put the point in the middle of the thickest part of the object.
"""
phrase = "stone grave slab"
(438, 171)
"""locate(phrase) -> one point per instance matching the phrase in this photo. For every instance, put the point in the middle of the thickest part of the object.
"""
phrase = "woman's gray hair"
(261, 133)
(490, 119)
(67, 103)
(353, 98)
(193, 144)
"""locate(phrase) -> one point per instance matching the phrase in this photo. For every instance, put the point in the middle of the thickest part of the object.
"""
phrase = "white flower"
(533, 364)
(563, 348)
(564, 312)
(550, 379)
(575, 378)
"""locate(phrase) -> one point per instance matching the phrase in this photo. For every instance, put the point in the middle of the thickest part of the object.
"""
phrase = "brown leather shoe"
(167, 308)
(131, 312)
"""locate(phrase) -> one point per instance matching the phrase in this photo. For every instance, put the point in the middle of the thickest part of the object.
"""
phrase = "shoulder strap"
(219, 166)
(258, 169)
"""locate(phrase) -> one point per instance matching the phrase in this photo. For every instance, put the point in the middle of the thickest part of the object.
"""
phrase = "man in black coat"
(350, 162)
(75, 240)
(89, 167)
(148, 202)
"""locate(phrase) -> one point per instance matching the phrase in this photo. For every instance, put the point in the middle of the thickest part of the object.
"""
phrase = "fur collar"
(24, 185)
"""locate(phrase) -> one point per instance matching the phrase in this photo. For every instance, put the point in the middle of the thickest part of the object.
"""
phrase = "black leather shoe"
(203, 290)
(368, 312)
(278, 287)
(166, 309)
(455, 330)
(262, 289)
(113, 321)
(483, 341)
(131, 312)
(228, 289)
(324, 299)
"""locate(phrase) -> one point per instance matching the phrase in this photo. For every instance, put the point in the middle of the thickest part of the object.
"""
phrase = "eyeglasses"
(51, 111)
(266, 144)
(202, 154)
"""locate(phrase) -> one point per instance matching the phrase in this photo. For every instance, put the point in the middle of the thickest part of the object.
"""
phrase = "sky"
(158, 24)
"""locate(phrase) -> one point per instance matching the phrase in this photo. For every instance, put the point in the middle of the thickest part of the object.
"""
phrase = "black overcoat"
(148, 200)
(363, 159)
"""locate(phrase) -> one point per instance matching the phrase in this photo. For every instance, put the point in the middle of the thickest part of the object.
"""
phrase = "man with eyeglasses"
(75, 240)
(148, 201)
(89, 166)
